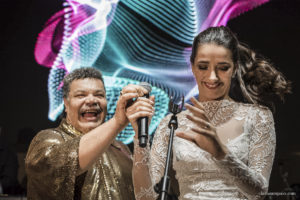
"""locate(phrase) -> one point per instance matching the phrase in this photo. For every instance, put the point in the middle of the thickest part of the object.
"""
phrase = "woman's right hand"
(128, 93)
(141, 107)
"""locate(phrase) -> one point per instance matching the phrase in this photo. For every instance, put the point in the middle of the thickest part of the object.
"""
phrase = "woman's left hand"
(203, 133)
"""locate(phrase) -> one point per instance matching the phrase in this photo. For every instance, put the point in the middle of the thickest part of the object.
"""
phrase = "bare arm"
(95, 142)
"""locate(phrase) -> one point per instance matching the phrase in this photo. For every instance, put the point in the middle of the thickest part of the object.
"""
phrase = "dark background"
(272, 29)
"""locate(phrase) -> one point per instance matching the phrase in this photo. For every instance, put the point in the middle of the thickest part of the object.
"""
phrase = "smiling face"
(213, 68)
(86, 104)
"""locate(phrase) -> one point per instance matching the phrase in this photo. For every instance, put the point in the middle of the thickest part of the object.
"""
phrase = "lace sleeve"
(148, 166)
(159, 150)
(253, 179)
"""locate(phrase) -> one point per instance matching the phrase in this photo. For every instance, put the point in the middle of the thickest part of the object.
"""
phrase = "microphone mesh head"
(146, 85)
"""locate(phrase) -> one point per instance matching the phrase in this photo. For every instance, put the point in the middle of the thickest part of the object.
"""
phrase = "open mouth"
(91, 115)
(211, 85)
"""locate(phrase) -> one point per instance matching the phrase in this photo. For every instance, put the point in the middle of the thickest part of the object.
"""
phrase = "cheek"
(199, 75)
(103, 102)
(74, 108)
(226, 79)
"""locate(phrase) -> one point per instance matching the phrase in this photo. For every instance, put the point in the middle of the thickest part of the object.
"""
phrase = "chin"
(213, 97)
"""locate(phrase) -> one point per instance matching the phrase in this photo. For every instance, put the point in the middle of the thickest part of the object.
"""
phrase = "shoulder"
(255, 109)
(259, 118)
(47, 136)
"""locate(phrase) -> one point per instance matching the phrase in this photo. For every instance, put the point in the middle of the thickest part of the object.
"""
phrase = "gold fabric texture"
(52, 165)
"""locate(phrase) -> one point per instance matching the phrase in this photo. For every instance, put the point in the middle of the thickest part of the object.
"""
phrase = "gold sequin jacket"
(52, 164)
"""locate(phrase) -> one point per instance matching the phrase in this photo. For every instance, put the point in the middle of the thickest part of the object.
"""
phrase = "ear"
(66, 103)
(192, 66)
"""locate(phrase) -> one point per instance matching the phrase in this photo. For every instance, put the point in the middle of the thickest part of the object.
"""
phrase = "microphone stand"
(162, 188)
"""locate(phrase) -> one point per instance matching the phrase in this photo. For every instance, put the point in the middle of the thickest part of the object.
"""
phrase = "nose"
(213, 76)
(91, 100)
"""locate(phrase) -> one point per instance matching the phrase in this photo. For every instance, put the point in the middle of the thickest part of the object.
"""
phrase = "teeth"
(91, 111)
(211, 85)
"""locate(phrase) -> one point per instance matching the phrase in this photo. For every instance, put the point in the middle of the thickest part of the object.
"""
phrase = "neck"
(218, 99)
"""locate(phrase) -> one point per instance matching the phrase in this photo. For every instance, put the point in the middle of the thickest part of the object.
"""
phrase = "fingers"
(204, 132)
(193, 136)
(139, 107)
(134, 116)
(137, 89)
(141, 102)
(152, 98)
(142, 107)
(201, 123)
(187, 135)
(197, 109)
(125, 100)
(197, 103)
(129, 93)
(127, 96)
(205, 142)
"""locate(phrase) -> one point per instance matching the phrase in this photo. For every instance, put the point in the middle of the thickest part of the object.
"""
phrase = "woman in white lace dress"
(224, 145)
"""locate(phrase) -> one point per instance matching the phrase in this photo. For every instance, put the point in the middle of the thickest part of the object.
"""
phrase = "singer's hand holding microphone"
(139, 110)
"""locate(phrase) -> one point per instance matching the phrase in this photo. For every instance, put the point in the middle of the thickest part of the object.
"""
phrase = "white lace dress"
(248, 132)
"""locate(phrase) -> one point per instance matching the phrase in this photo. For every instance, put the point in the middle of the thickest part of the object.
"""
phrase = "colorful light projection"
(130, 41)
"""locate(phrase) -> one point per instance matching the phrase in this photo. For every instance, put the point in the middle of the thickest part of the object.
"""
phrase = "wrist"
(222, 152)
(120, 124)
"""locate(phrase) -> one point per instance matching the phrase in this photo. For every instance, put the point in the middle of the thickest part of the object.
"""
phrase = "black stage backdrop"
(272, 29)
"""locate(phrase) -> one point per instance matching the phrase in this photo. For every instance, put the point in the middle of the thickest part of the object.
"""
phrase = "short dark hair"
(81, 73)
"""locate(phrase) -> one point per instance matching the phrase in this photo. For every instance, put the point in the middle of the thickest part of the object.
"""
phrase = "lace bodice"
(248, 132)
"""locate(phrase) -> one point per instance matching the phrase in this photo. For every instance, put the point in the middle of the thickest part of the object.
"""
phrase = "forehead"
(87, 84)
(213, 51)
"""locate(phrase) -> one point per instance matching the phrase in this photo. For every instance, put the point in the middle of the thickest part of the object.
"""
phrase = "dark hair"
(257, 80)
(81, 73)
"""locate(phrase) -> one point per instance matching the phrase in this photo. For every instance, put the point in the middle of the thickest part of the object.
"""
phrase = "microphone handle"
(143, 129)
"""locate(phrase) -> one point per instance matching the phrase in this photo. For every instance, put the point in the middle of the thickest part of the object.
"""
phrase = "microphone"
(143, 121)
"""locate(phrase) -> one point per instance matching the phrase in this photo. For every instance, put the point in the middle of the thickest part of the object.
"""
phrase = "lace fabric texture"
(143, 187)
(248, 132)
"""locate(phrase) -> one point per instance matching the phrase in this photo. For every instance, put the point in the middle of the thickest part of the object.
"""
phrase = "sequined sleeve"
(252, 179)
(51, 166)
(149, 164)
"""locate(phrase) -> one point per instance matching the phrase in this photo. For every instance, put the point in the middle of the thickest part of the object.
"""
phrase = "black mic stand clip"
(162, 188)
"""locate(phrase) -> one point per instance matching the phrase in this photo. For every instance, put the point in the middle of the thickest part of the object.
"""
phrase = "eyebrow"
(101, 90)
(78, 91)
(206, 62)
(202, 61)
(227, 63)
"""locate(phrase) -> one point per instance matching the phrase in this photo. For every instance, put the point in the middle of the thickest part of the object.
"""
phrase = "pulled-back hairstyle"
(81, 73)
(256, 78)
